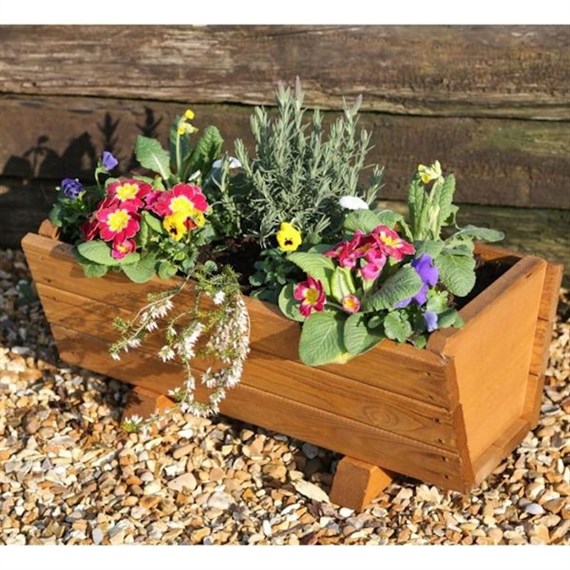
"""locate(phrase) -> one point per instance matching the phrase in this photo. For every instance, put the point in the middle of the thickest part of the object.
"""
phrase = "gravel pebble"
(70, 475)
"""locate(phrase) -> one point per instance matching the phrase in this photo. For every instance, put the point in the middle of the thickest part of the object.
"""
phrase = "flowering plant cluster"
(290, 225)
(387, 278)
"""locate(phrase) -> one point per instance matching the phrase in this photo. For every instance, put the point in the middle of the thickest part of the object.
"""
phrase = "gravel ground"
(70, 475)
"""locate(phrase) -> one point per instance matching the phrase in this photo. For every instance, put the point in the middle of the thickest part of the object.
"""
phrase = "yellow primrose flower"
(186, 129)
(288, 238)
(429, 173)
(189, 114)
(175, 225)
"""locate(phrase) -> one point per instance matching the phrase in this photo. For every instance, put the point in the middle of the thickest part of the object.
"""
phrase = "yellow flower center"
(311, 296)
(181, 205)
(126, 191)
(118, 220)
(389, 241)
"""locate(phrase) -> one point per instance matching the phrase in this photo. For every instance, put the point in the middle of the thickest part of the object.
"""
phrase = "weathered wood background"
(492, 103)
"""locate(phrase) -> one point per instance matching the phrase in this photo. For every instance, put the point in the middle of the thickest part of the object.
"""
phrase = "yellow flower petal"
(288, 238)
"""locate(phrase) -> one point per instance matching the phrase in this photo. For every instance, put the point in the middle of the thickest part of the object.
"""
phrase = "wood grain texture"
(492, 353)
(356, 483)
(503, 71)
(348, 398)
(396, 368)
(496, 161)
(273, 412)
(543, 334)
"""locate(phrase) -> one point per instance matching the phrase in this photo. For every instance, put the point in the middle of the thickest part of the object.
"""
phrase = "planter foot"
(143, 402)
(356, 483)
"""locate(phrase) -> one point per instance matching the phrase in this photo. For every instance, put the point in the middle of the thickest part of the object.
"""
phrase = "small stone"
(220, 501)
(97, 535)
(310, 451)
(30, 423)
(540, 535)
(152, 488)
(534, 509)
(149, 501)
(186, 481)
(345, 512)
(198, 535)
(554, 505)
(183, 451)
(310, 491)
(266, 526)
(117, 537)
(275, 470)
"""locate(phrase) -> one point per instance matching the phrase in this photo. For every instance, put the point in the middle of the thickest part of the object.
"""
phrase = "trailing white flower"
(353, 203)
(218, 298)
(233, 163)
(166, 353)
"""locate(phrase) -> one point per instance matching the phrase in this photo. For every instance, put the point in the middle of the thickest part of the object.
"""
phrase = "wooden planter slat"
(420, 373)
(447, 415)
(373, 406)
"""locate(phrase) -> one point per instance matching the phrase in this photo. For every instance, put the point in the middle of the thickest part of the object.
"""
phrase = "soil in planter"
(486, 272)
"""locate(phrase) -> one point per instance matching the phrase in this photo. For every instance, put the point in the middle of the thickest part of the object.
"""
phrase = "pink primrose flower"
(121, 249)
(391, 243)
(311, 295)
(350, 303)
(130, 193)
(117, 223)
(185, 199)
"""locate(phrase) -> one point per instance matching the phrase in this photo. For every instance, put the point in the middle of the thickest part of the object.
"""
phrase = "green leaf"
(151, 155)
(437, 301)
(397, 326)
(207, 149)
(93, 270)
(153, 223)
(142, 271)
(98, 252)
(431, 247)
(476, 233)
(166, 270)
(316, 265)
(420, 341)
(288, 304)
(405, 283)
(449, 318)
(363, 220)
(445, 199)
(322, 339)
(457, 273)
(417, 199)
(342, 283)
(55, 215)
(357, 337)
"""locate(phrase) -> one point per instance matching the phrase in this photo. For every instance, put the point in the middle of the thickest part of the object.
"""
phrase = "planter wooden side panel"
(345, 397)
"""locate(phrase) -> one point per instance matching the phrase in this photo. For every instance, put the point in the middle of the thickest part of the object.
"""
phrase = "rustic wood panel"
(496, 162)
(492, 360)
(396, 368)
(504, 71)
(344, 397)
(249, 404)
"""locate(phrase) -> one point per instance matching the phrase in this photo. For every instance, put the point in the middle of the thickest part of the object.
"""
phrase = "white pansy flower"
(353, 203)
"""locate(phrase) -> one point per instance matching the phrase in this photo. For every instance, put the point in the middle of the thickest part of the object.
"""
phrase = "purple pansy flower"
(431, 320)
(71, 187)
(429, 275)
(108, 161)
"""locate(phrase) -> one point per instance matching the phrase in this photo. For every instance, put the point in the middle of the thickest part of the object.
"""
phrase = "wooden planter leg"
(143, 402)
(356, 483)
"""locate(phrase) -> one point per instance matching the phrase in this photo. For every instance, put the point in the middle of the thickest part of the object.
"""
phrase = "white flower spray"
(215, 326)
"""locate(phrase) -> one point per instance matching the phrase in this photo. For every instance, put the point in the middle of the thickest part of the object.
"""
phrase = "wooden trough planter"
(447, 415)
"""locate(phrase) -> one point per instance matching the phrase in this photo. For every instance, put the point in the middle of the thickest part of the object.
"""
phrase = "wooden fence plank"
(503, 71)
(496, 162)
